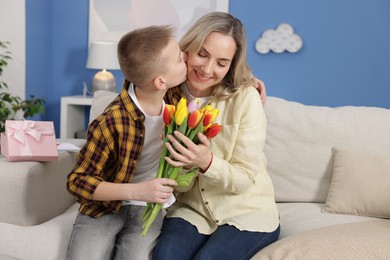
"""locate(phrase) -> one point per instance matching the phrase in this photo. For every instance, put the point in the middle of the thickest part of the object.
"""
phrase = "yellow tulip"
(206, 108)
(181, 111)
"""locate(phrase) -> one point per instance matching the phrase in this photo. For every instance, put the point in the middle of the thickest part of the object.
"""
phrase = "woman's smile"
(201, 77)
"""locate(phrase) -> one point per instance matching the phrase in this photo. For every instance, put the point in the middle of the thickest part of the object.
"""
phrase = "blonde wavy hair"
(239, 74)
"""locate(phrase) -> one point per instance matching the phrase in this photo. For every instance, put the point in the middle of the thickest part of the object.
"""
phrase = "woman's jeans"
(179, 239)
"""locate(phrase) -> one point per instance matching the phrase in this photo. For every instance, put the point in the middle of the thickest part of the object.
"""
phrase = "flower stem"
(150, 219)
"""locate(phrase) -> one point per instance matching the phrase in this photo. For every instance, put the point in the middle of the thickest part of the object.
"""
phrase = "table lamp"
(103, 55)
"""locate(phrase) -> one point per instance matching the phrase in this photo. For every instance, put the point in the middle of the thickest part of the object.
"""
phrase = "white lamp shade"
(103, 55)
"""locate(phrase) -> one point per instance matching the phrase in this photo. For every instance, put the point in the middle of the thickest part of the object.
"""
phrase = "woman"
(229, 212)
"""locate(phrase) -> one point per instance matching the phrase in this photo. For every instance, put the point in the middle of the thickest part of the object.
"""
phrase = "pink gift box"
(26, 140)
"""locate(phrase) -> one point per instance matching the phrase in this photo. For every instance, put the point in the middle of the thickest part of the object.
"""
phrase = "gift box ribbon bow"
(20, 130)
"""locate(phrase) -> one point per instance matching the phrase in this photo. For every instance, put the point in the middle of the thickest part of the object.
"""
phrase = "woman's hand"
(189, 154)
(260, 86)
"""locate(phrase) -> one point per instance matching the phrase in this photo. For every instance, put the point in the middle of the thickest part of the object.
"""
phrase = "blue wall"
(345, 59)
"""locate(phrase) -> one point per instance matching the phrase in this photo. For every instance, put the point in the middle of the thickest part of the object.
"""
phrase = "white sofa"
(299, 145)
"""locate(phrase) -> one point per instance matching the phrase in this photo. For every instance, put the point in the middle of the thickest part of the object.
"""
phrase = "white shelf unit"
(73, 114)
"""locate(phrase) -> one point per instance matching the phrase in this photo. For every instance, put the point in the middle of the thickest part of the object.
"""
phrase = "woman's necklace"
(203, 101)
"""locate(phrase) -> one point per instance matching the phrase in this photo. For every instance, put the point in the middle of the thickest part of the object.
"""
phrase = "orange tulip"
(194, 119)
(213, 130)
(209, 116)
(169, 111)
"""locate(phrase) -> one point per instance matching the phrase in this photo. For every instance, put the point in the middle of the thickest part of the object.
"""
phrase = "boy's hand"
(157, 190)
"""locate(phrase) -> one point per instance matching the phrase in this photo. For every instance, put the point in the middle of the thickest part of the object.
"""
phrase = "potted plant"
(11, 105)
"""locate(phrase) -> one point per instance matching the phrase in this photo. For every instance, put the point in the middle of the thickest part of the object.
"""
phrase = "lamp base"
(103, 80)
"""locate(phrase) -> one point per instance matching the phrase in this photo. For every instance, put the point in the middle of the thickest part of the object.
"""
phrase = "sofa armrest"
(48, 241)
(34, 192)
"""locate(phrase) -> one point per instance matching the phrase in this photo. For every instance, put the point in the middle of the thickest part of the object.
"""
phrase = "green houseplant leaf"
(11, 104)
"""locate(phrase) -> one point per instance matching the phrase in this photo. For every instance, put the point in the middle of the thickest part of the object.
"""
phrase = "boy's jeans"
(113, 236)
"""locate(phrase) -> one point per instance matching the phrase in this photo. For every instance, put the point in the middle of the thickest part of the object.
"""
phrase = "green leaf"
(9, 104)
(183, 126)
(194, 134)
(185, 179)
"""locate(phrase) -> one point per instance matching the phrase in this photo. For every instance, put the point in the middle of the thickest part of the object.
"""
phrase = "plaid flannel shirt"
(113, 148)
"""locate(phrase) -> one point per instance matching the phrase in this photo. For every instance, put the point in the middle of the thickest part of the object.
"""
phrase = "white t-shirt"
(151, 152)
(202, 100)
(152, 148)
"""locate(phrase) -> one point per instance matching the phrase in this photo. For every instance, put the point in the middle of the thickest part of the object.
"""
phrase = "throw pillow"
(101, 99)
(360, 184)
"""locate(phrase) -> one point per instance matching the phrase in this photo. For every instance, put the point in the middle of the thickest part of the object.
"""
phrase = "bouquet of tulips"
(189, 120)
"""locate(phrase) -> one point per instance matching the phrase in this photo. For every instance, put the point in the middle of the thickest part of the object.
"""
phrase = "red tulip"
(207, 118)
(213, 130)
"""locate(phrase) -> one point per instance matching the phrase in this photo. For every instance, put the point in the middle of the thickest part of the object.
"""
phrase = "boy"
(111, 172)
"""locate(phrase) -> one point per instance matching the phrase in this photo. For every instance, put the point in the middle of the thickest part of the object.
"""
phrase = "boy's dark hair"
(140, 53)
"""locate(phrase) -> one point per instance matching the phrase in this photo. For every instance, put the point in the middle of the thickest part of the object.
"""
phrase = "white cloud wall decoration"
(279, 40)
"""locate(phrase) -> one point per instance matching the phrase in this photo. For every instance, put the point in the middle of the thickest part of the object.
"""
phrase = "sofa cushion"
(300, 217)
(300, 139)
(360, 184)
(361, 240)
